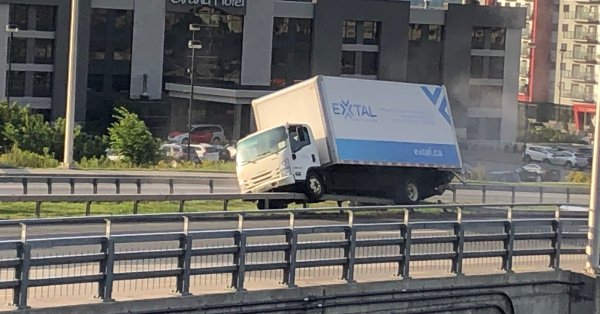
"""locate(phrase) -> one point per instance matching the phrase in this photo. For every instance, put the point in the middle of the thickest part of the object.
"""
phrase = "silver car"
(568, 159)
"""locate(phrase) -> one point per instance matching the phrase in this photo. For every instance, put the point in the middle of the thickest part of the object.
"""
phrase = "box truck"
(350, 136)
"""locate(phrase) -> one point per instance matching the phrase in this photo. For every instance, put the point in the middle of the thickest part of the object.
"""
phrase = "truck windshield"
(261, 145)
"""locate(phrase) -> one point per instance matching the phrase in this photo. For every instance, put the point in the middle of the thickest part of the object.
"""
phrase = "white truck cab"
(277, 158)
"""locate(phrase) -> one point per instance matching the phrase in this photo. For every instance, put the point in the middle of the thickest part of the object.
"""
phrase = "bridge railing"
(287, 254)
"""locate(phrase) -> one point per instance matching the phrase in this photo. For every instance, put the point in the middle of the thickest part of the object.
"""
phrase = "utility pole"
(71, 87)
(192, 44)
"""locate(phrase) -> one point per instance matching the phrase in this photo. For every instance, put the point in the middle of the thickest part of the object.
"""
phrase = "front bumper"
(269, 185)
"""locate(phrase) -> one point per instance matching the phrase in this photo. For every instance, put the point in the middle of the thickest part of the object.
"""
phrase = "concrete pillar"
(147, 48)
(237, 121)
(4, 14)
(257, 43)
(508, 125)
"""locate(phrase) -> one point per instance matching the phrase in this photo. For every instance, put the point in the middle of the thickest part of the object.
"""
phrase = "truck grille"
(257, 180)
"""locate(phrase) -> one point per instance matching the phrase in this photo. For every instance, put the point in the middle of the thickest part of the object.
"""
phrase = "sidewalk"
(92, 173)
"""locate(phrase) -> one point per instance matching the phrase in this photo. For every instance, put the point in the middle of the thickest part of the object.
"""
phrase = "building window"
(435, 33)
(219, 61)
(42, 84)
(96, 82)
(497, 36)
(369, 63)
(120, 83)
(292, 42)
(414, 32)
(496, 67)
(19, 16)
(476, 66)
(43, 51)
(348, 62)
(16, 83)
(371, 35)
(349, 32)
(478, 38)
(45, 18)
(18, 50)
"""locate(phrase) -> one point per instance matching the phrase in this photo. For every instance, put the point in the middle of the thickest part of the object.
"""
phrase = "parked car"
(504, 176)
(537, 153)
(171, 151)
(201, 133)
(206, 152)
(538, 173)
(588, 153)
(223, 152)
(113, 156)
(568, 160)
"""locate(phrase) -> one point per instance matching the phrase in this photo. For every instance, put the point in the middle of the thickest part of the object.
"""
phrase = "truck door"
(304, 152)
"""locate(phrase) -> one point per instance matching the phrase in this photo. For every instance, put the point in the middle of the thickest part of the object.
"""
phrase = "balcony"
(588, 1)
(586, 17)
(582, 56)
(581, 36)
(524, 51)
(526, 33)
(580, 96)
(586, 77)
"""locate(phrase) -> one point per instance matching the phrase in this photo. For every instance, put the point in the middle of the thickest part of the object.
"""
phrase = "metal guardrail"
(354, 251)
(540, 190)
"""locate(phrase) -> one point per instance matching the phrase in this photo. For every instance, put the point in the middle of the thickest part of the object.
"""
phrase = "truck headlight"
(285, 169)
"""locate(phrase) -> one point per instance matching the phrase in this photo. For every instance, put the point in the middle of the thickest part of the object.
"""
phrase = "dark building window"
(96, 82)
(45, 18)
(496, 67)
(497, 36)
(18, 50)
(431, 32)
(43, 51)
(292, 43)
(42, 84)
(120, 83)
(349, 32)
(218, 63)
(371, 34)
(19, 16)
(414, 32)
(435, 32)
(16, 83)
(369, 63)
(478, 38)
(476, 66)
(348, 62)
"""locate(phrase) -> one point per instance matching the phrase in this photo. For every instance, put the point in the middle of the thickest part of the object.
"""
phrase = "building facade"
(136, 53)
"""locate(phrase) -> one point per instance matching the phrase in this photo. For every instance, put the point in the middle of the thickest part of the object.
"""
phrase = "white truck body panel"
(368, 122)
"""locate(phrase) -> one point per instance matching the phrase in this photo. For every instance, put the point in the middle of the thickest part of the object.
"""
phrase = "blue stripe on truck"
(398, 152)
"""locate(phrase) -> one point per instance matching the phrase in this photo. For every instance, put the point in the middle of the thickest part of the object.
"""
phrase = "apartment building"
(136, 53)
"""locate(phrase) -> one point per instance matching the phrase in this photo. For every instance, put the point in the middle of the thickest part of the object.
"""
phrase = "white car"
(537, 153)
(569, 159)
(206, 152)
(201, 133)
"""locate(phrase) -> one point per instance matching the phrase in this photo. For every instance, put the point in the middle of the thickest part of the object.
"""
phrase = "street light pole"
(192, 44)
(71, 88)
(11, 29)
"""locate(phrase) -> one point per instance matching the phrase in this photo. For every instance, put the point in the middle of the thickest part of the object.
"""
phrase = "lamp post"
(192, 44)
(11, 29)
(71, 87)
(531, 73)
(560, 84)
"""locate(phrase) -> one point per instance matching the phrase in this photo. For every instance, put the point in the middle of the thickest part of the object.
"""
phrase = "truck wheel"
(408, 193)
(273, 204)
(314, 186)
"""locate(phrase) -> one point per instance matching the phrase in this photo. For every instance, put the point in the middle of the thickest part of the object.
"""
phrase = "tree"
(129, 136)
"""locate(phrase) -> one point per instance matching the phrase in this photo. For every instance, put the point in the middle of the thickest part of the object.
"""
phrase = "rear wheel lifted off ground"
(408, 193)
(273, 204)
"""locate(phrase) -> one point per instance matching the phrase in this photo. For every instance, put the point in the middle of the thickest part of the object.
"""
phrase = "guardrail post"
(22, 271)
(38, 209)
(49, 184)
(541, 194)
(72, 185)
(454, 194)
(404, 264)
(349, 250)
(483, 194)
(239, 257)
(513, 194)
(118, 186)
(171, 186)
(459, 244)
(88, 208)
(568, 195)
(95, 186)
(557, 240)
(225, 203)
(291, 238)
(509, 242)
(24, 182)
(105, 286)
(181, 206)
(211, 186)
(138, 184)
(184, 260)
(135, 207)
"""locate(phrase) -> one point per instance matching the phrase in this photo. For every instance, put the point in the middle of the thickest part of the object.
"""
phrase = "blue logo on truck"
(434, 97)
(353, 111)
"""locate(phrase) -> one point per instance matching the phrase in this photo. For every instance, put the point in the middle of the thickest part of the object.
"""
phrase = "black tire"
(216, 141)
(184, 141)
(408, 193)
(273, 204)
(568, 165)
(527, 158)
(314, 186)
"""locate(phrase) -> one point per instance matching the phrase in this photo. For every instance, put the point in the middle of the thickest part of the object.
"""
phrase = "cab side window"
(298, 138)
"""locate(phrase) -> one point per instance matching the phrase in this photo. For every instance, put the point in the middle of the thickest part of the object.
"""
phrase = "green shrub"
(548, 135)
(130, 137)
(17, 157)
(578, 177)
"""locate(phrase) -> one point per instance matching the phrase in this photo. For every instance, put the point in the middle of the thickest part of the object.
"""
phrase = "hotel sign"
(236, 7)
